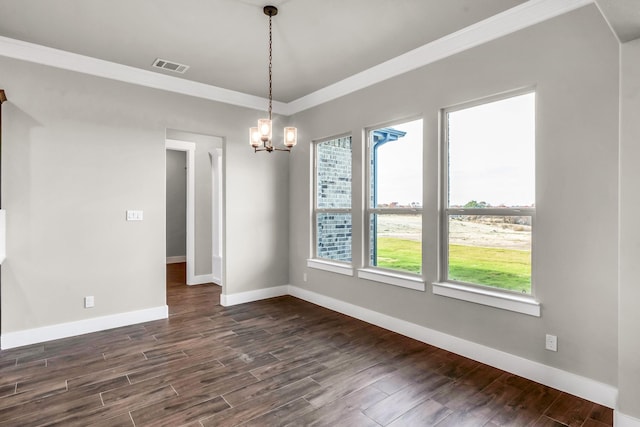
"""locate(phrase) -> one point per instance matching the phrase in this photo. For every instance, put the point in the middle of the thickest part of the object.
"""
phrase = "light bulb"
(290, 136)
(254, 137)
(264, 127)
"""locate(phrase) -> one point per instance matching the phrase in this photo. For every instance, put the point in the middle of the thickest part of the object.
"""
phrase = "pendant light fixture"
(262, 134)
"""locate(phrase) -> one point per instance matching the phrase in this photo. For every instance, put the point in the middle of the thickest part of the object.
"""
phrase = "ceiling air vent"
(171, 66)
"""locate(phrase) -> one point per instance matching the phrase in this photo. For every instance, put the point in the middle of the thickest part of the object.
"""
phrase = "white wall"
(629, 315)
(80, 150)
(573, 63)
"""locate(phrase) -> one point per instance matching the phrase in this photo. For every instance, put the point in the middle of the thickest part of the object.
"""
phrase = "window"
(394, 208)
(489, 193)
(332, 205)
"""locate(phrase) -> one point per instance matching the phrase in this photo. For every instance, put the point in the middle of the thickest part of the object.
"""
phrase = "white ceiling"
(320, 46)
(623, 16)
(316, 42)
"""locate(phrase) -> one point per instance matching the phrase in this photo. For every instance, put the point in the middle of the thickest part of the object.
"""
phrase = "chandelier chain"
(270, 69)
(262, 134)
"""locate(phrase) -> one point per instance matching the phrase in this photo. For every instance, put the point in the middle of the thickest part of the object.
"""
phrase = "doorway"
(204, 210)
(188, 148)
(176, 206)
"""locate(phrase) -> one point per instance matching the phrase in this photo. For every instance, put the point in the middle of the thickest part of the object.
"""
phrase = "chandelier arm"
(268, 150)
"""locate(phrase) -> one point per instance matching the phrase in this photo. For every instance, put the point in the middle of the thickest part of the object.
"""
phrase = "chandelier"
(261, 135)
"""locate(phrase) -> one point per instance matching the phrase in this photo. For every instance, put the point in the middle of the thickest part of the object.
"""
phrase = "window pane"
(333, 236)
(491, 250)
(333, 174)
(491, 154)
(396, 165)
(396, 242)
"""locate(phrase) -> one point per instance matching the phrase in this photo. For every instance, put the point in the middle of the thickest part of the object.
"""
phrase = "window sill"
(396, 279)
(519, 304)
(334, 267)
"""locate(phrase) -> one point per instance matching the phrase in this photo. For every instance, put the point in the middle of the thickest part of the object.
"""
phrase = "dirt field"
(508, 236)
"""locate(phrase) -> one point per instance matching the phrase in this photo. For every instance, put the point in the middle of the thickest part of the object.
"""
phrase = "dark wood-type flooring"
(270, 363)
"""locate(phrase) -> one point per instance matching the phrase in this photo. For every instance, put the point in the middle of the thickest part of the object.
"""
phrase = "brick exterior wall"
(333, 191)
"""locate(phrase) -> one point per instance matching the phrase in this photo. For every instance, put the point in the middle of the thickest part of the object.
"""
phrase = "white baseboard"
(577, 385)
(176, 259)
(250, 296)
(202, 279)
(568, 382)
(64, 330)
(622, 420)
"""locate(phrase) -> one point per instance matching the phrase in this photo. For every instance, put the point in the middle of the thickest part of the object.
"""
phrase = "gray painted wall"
(176, 203)
(572, 61)
(629, 315)
(78, 151)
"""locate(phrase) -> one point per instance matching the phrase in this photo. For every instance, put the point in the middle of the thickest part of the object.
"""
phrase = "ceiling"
(317, 43)
(623, 16)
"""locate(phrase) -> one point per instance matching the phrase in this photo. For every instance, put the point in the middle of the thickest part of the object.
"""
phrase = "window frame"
(400, 278)
(479, 293)
(315, 261)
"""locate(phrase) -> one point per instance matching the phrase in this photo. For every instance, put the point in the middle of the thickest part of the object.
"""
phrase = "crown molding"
(517, 18)
(44, 55)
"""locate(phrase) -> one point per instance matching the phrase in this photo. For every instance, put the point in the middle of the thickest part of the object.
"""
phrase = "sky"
(491, 153)
(400, 166)
(491, 156)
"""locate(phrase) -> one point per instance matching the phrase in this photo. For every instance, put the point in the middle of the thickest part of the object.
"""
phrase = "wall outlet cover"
(551, 342)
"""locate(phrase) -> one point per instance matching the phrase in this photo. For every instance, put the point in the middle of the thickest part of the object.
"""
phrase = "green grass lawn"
(399, 254)
(502, 268)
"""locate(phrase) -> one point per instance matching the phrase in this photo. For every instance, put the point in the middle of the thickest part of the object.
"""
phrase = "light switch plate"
(134, 215)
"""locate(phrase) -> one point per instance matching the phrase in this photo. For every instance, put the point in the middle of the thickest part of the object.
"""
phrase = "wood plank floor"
(270, 363)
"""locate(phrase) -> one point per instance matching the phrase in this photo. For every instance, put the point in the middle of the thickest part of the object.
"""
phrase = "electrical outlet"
(89, 302)
(551, 343)
(304, 277)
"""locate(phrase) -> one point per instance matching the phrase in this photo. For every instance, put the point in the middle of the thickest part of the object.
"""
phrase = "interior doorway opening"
(176, 207)
(203, 221)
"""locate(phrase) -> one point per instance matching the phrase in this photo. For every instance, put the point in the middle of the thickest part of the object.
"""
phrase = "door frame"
(216, 216)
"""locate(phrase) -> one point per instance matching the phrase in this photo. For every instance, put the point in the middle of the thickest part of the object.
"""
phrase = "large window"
(332, 205)
(394, 208)
(489, 193)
